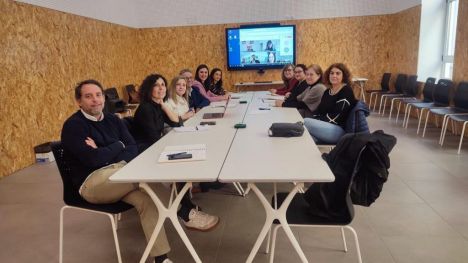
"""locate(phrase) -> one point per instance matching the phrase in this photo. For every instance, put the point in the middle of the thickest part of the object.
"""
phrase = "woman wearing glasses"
(291, 97)
(287, 75)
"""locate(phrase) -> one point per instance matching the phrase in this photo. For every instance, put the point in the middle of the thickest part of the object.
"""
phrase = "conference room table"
(232, 155)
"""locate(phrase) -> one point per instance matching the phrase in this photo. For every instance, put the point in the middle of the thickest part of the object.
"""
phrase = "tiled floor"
(422, 216)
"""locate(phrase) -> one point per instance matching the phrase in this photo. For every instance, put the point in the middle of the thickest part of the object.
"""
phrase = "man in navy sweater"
(98, 144)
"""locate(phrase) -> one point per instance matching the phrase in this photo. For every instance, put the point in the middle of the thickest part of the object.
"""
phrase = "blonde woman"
(178, 99)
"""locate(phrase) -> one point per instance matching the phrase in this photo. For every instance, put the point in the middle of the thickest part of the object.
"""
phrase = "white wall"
(431, 39)
(169, 13)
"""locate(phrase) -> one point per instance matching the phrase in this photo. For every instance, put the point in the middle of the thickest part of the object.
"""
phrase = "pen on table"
(264, 108)
(175, 154)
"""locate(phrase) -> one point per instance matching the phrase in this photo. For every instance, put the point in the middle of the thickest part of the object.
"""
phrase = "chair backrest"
(113, 103)
(357, 121)
(428, 91)
(442, 92)
(111, 93)
(385, 82)
(70, 195)
(461, 96)
(132, 94)
(411, 87)
(400, 82)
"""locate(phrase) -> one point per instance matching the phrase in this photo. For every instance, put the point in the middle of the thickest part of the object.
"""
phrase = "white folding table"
(145, 169)
(255, 157)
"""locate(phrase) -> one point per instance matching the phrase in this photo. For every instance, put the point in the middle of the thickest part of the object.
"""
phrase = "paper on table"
(198, 152)
(192, 128)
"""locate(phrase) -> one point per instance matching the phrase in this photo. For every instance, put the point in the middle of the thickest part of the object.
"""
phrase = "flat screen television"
(260, 47)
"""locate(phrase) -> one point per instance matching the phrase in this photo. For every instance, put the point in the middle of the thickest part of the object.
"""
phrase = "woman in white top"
(178, 98)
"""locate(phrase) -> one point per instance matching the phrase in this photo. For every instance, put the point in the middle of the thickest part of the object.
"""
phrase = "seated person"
(271, 58)
(97, 145)
(254, 60)
(201, 75)
(148, 125)
(269, 46)
(178, 98)
(287, 75)
(291, 97)
(214, 82)
(196, 100)
(309, 100)
(327, 125)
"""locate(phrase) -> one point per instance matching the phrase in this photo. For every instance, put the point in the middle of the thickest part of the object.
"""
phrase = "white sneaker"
(201, 221)
(167, 261)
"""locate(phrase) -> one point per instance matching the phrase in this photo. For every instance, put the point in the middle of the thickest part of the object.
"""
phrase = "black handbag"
(281, 129)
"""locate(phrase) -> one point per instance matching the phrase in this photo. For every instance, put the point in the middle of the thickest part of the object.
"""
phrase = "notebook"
(198, 152)
(217, 115)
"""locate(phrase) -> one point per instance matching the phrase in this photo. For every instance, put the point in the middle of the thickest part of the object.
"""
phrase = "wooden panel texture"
(45, 52)
(460, 68)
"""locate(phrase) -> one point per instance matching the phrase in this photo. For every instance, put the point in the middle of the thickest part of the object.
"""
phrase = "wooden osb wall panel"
(366, 44)
(460, 68)
(44, 53)
(403, 41)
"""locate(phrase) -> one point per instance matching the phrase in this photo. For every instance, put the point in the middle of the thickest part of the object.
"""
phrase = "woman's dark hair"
(346, 74)
(268, 56)
(201, 66)
(210, 85)
(302, 66)
(269, 46)
(146, 87)
(80, 85)
(318, 70)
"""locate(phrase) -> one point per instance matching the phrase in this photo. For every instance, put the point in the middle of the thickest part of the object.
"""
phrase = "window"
(450, 36)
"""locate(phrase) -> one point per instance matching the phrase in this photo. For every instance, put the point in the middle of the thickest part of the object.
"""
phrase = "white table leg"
(272, 214)
(171, 213)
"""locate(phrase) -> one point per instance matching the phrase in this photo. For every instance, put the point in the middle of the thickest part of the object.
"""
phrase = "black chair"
(442, 89)
(460, 108)
(410, 91)
(132, 94)
(298, 214)
(399, 84)
(384, 88)
(113, 103)
(428, 91)
(442, 94)
(464, 119)
(73, 200)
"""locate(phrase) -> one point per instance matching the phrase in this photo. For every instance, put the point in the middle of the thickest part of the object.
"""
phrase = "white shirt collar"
(92, 118)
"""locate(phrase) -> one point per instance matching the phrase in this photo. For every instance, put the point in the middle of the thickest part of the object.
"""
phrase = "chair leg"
(407, 114)
(391, 109)
(345, 247)
(273, 243)
(375, 101)
(380, 105)
(239, 188)
(425, 123)
(443, 131)
(268, 242)
(398, 112)
(461, 136)
(61, 235)
(116, 240)
(358, 249)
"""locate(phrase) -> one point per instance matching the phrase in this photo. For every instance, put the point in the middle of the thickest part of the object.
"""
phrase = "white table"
(270, 84)
(256, 157)
(361, 82)
(145, 168)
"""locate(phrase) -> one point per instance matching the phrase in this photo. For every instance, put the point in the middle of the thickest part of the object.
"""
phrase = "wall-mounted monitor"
(260, 47)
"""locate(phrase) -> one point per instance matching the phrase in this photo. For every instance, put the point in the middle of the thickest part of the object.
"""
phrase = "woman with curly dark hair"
(328, 123)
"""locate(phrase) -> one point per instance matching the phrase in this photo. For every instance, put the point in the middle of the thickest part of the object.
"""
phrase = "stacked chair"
(410, 91)
(399, 84)
(384, 88)
(428, 91)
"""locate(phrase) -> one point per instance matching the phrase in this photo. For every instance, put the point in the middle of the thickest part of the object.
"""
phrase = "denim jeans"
(323, 132)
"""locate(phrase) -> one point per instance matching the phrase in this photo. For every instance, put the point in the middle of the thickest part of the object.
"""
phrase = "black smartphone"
(180, 156)
(208, 123)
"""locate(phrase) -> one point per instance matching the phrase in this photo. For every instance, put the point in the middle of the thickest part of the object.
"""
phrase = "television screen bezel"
(262, 66)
